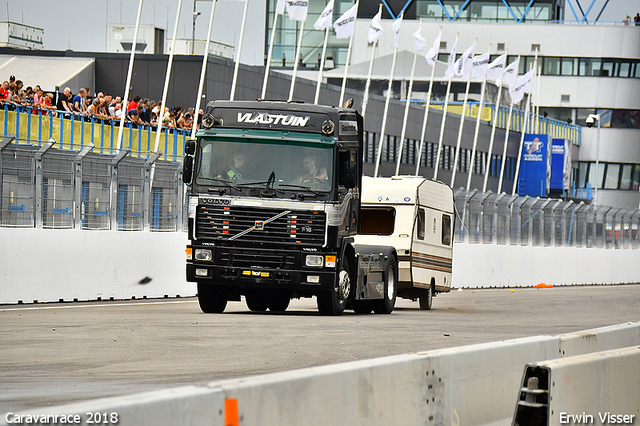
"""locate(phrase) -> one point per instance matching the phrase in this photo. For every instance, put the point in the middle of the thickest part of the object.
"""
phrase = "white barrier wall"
(470, 385)
(51, 265)
(492, 265)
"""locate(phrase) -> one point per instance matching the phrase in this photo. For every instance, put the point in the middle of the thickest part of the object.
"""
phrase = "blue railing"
(34, 125)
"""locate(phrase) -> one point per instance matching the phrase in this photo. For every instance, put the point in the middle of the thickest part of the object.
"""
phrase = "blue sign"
(560, 164)
(532, 179)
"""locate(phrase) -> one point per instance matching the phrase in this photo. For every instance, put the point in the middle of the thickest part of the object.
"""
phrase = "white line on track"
(92, 305)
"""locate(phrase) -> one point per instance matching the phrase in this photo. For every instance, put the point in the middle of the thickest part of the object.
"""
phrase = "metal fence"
(489, 218)
(45, 187)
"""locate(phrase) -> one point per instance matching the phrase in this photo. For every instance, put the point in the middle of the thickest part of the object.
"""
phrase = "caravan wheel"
(426, 299)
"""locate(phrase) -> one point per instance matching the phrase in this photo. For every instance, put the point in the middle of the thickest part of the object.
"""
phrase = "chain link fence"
(45, 187)
(489, 218)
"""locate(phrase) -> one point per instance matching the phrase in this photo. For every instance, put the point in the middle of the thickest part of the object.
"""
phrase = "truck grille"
(233, 223)
(256, 258)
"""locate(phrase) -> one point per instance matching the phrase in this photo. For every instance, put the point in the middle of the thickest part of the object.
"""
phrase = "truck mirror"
(187, 169)
(190, 147)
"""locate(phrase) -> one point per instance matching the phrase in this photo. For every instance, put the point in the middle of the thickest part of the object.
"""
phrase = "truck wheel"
(386, 305)
(426, 299)
(334, 302)
(278, 302)
(255, 301)
(211, 298)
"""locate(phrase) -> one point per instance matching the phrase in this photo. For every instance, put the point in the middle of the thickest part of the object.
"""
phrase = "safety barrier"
(470, 385)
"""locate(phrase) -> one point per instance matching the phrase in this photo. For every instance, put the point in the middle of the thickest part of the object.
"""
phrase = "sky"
(80, 25)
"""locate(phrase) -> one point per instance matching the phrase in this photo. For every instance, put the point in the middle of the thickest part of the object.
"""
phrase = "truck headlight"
(204, 254)
(314, 261)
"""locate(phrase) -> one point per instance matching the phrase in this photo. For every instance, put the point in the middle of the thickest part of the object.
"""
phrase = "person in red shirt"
(134, 103)
(4, 90)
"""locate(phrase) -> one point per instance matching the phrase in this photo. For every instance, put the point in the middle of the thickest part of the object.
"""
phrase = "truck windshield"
(225, 162)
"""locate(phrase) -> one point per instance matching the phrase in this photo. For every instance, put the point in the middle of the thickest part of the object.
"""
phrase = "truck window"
(446, 229)
(420, 224)
(378, 221)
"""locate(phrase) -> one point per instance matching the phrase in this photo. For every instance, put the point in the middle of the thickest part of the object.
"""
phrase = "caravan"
(416, 216)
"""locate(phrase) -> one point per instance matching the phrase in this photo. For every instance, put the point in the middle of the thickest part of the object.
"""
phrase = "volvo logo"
(216, 201)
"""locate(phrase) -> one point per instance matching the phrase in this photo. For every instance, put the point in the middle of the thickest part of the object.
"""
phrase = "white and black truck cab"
(274, 205)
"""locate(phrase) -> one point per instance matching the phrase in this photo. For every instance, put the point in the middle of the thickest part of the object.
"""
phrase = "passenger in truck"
(313, 172)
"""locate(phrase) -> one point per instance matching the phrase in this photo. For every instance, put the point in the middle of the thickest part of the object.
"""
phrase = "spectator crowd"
(101, 107)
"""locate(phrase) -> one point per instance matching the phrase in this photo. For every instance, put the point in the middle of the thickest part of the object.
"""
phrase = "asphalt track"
(52, 354)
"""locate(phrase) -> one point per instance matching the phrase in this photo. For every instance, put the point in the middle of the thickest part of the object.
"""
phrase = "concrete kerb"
(471, 385)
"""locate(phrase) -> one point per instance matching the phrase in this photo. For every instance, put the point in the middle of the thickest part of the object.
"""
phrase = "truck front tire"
(212, 299)
(335, 301)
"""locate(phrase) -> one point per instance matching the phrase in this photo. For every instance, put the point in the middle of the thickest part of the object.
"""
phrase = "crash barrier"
(470, 385)
(490, 218)
(75, 131)
(594, 388)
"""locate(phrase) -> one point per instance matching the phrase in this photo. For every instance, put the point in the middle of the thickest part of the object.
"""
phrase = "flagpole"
(464, 109)
(443, 122)
(269, 57)
(493, 130)
(129, 73)
(365, 99)
(324, 51)
(386, 110)
(475, 135)
(524, 130)
(346, 67)
(536, 97)
(426, 116)
(296, 61)
(164, 91)
(203, 73)
(237, 65)
(504, 148)
(406, 108)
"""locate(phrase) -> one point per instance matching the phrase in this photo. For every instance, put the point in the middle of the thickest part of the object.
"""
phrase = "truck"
(274, 193)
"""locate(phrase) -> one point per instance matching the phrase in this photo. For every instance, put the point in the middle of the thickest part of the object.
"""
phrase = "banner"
(420, 42)
(511, 73)
(463, 64)
(396, 31)
(494, 71)
(480, 66)
(375, 28)
(324, 21)
(432, 54)
(452, 61)
(522, 86)
(345, 25)
(532, 180)
(296, 9)
(560, 165)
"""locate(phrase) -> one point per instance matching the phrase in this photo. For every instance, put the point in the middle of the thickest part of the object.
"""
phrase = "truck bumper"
(320, 280)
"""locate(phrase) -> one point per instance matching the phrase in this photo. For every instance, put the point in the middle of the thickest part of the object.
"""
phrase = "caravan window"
(378, 221)
(420, 225)
(446, 229)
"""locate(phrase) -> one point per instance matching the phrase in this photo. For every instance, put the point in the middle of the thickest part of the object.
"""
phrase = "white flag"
(396, 31)
(452, 61)
(421, 42)
(494, 72)
(324, 21)
(432, 54)
(280, 7)
(297, 9)
(522, 86)
(345, 25)
(375, 28)
(511, 73)
(463, 65)
(480, 66)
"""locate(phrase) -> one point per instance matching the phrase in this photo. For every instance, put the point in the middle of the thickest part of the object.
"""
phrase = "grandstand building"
(587, 68)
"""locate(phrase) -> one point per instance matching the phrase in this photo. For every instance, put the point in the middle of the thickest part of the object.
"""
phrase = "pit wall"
(65, 265)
